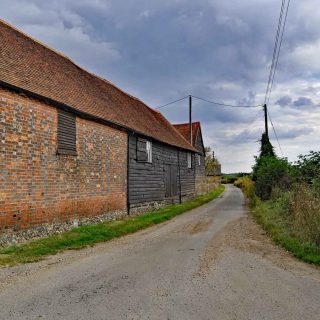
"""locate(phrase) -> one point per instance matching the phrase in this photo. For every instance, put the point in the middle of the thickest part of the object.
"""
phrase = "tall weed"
(305, 213)
(247, 185)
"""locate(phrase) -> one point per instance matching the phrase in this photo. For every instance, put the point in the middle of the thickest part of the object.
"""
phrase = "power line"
(252, 121)
(275, 68)
(275, 49)
(172, 102)
(275, 133)
(224, 104)
(274, 64)
(208, 101)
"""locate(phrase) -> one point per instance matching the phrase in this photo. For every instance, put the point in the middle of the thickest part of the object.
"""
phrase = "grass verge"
(272, 216)
(90, 234)
(275, 218)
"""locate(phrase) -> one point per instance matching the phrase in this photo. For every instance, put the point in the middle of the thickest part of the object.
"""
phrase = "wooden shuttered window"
(66, 133)
(144, 150)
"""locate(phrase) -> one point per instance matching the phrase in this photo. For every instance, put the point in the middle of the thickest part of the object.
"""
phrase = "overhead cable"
(209, 101)
(276, 63)
(172, 102)
(275, 48)
(275, 133)
(224, 104)
(249, 126)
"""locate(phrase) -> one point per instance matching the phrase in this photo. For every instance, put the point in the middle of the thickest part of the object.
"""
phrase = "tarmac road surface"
(213, 262)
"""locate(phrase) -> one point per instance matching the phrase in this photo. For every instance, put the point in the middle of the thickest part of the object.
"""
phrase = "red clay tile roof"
(31, 66)
(184, 129)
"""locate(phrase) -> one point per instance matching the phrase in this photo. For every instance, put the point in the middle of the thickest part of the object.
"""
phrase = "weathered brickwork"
(206, 184)
(37, 186)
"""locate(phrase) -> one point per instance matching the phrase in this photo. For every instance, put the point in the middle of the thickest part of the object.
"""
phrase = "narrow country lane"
(213, 262)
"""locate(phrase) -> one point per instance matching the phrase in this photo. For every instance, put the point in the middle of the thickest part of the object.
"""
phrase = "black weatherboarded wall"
(200, 165)
(164, 180)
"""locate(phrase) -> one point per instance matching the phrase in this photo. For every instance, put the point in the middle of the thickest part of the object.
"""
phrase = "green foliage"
(266, 152)
(210, 161)
(270, 172)
(309, 165)
(247, 185)
(292, 219)
(274, 217)
(307, 169)
(89, 235)
(266, 148)
(304, 213)
(232, 177)
(290, 210)
(226, 179)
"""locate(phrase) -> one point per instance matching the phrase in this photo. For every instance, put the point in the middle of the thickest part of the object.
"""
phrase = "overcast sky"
(162, 50)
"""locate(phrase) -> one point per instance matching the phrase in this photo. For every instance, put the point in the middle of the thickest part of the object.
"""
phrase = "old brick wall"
(206, 184)
(38, 186)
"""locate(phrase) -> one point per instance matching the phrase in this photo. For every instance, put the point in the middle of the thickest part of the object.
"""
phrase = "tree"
(307, 169)
(266, 151)
(266, 148)
(269, 170)
(270, 173)
(211, 162)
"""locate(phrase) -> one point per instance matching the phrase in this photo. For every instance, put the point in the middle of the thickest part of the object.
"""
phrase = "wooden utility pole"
(266, 120)
(190, 118)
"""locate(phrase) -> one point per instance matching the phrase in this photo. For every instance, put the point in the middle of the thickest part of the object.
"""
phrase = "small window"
(149, 151)
(144, 150)
(66, 136)
(189, 160)
(199, 159)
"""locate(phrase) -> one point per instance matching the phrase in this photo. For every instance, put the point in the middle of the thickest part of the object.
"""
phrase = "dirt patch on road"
(246, 235)
(213, 250)
(200, 226)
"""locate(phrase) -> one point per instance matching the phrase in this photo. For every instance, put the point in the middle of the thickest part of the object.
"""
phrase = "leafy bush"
(307, 169)
(246, 184)
(228, 179)
(270, 172)
(290, 210)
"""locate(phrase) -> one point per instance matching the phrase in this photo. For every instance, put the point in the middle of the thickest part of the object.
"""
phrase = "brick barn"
(74, 146)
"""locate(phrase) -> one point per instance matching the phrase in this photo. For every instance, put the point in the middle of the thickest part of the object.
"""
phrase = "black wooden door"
(170, 180)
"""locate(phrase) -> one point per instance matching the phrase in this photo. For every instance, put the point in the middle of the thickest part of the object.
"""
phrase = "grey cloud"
(252, 135)
(246, 136)
(294, 132)
(162, 50)
(284, 101)
(302, 102)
